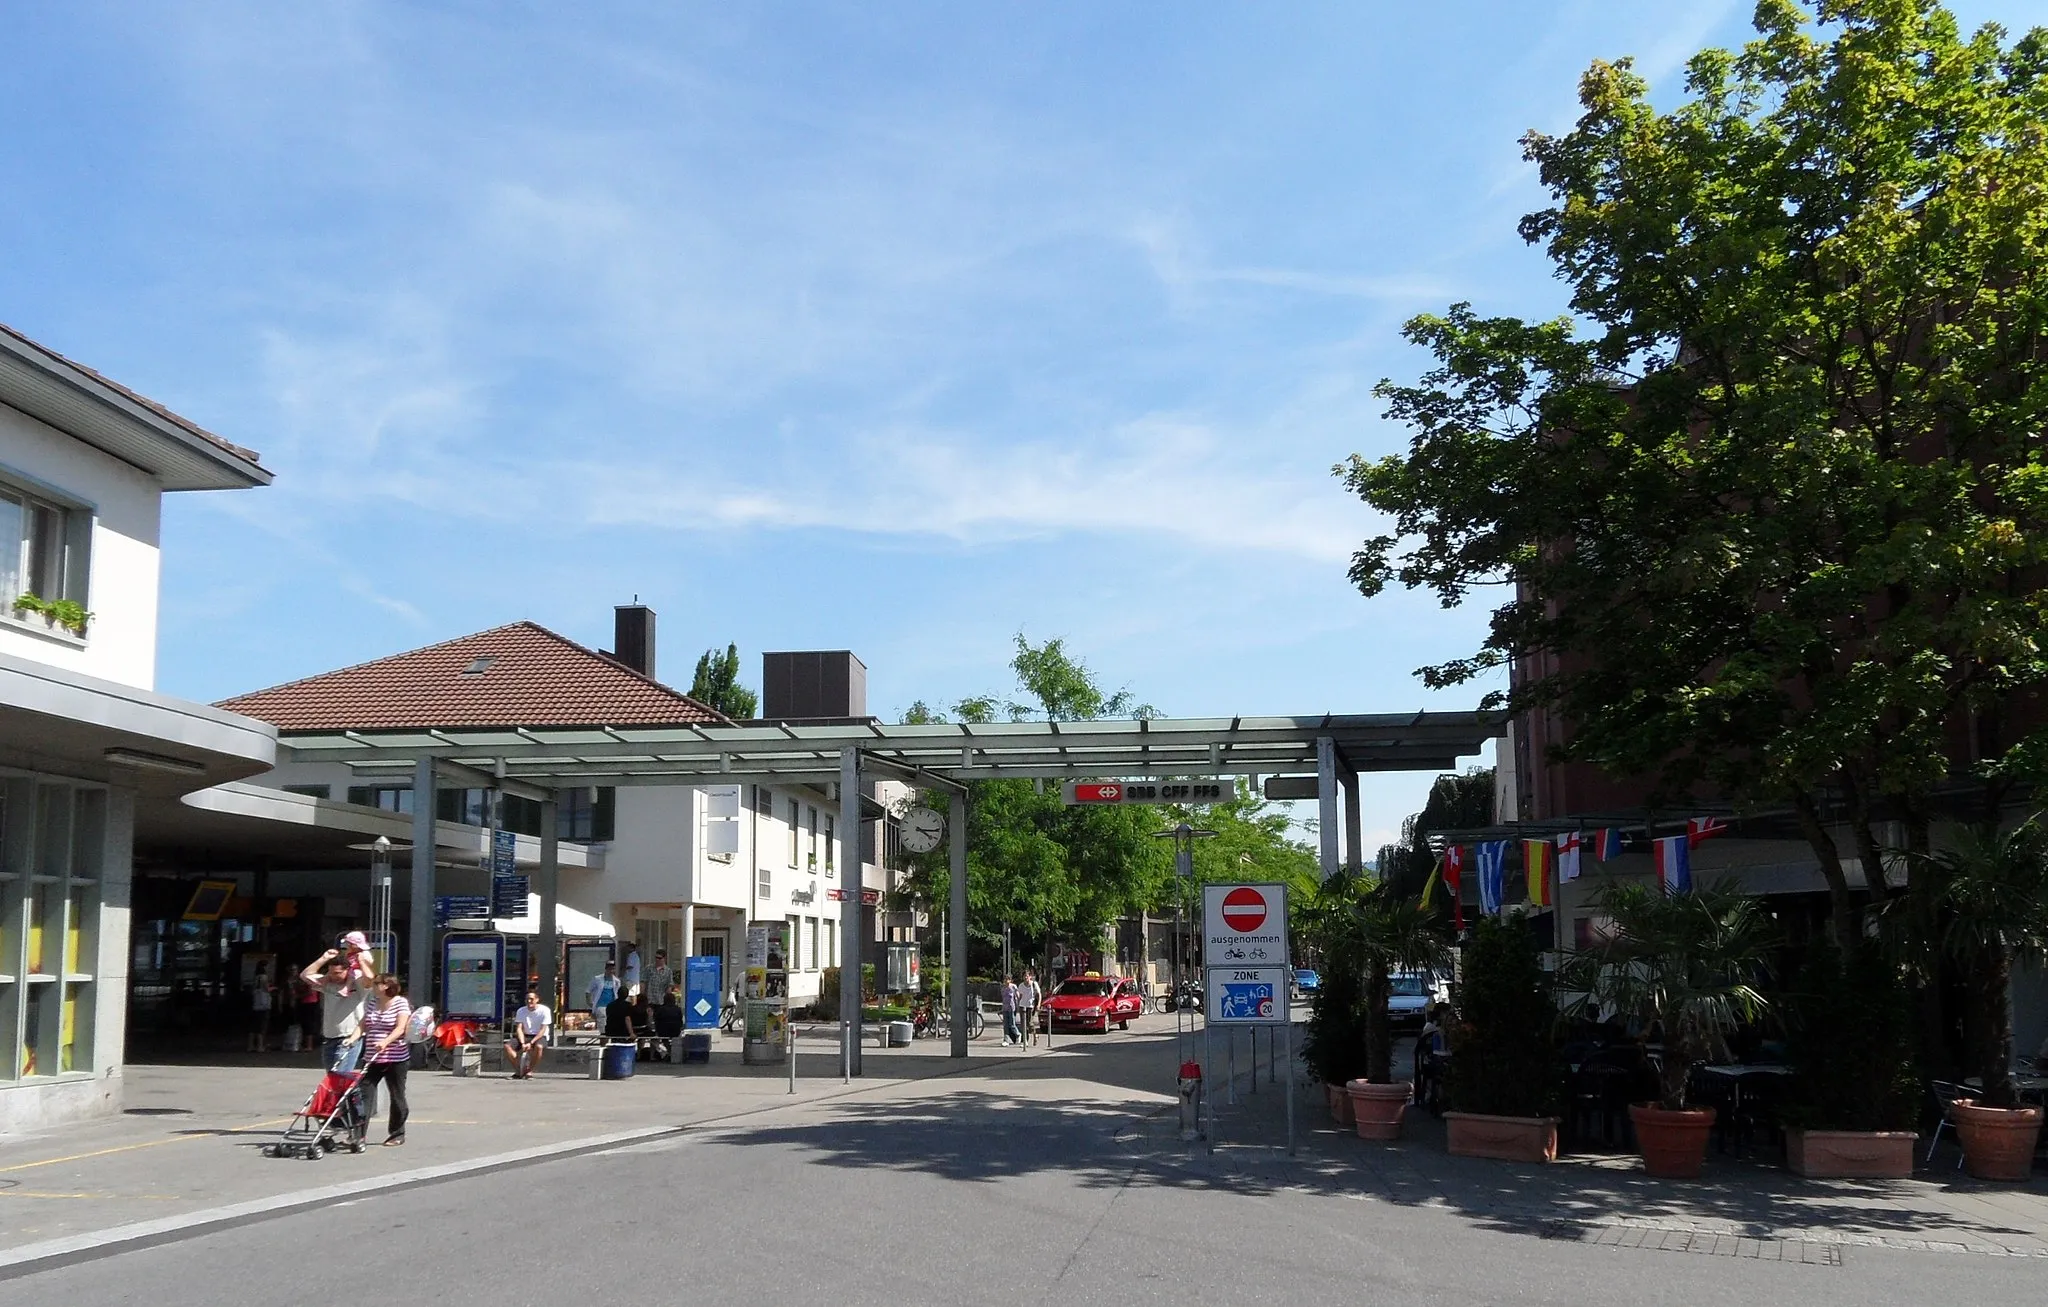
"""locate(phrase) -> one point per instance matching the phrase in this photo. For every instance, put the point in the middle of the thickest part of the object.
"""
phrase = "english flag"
(1568, 846)
(1537, 856)
(1674, 863)
(1704, 828)
(1454, 880)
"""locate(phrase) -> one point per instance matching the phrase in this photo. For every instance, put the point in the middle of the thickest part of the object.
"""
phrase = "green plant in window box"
(67, 613)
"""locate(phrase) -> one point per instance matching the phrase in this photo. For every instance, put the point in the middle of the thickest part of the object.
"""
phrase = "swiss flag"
(1698, 829)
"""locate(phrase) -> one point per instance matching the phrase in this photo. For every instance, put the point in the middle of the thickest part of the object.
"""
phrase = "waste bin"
(697, 1046)
(900, 1033)
(618, 1061)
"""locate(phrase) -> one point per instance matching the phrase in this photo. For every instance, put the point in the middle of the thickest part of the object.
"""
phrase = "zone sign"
(1075, 793)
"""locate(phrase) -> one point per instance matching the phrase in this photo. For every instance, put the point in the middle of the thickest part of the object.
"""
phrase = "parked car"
(1307, 982)
(1409, 993)
(1093, 1002)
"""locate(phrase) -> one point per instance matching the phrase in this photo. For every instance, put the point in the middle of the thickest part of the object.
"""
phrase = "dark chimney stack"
(633, 637)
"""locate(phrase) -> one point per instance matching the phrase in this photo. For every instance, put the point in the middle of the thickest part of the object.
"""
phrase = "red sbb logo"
(1098, 793)
(1244, 908)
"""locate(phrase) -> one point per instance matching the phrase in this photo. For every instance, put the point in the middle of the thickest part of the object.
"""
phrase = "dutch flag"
(1673, 856)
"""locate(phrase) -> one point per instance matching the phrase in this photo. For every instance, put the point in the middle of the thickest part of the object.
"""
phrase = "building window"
(311, 791)
(764, 801)
(390, 798)
(795, 833)
(52, 841)
(469, 807)
(831, 846)
(812, 816)
(43, 548)
(585, 815)
(811, 952)
(796, 943)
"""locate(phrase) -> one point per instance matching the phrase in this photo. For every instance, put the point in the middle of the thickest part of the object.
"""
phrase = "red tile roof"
(533, 677)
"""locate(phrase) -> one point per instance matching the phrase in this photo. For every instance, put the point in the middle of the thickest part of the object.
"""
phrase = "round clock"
(922, 829)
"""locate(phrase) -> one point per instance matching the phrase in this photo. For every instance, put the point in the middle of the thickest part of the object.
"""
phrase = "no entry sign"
(1244, 925)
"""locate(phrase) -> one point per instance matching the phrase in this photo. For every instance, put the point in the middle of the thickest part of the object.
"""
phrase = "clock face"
(922, 830)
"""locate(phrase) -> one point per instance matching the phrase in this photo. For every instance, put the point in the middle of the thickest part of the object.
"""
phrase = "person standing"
(1009, 1011)
(1028, 997)
(343, 984)
(309, 1011)
(661, 977)
(262, 1002)
(629, 973)
(384, 1031)
(600, 992)
(531, 1026)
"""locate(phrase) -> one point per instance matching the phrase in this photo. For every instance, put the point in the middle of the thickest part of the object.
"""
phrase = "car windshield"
(1084, 988)
(1409, 987)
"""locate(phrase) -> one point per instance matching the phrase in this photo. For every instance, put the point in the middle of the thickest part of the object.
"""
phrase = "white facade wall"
(126, 506)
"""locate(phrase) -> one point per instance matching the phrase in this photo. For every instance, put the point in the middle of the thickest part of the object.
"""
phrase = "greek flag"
(1493, 859)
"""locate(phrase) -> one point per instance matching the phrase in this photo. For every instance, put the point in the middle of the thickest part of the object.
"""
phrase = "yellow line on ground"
(129, 1148)
(28, 1193)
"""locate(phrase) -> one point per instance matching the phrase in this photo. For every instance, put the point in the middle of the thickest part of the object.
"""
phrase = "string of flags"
(1552, 861)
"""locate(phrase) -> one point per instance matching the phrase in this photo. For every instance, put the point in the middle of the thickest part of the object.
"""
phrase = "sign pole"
(1290, 1084)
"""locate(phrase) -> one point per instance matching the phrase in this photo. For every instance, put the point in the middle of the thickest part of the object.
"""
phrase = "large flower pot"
(1998, 1142)
(1850, 1154)
(1509, 1138)
(1376, 1110)
(1340, 1104)
(1673, 1144)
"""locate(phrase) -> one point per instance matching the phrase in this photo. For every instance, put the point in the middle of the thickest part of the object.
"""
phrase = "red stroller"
(333, 1117)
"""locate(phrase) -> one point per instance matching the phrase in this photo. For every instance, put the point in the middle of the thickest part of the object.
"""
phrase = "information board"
(472, 977)
(703, 979)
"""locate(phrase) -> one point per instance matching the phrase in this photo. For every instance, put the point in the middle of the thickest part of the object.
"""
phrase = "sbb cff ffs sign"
(1076, 793)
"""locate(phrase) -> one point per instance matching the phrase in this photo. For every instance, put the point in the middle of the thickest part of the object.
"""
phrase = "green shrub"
(1850, 1040)
(1503, 1034)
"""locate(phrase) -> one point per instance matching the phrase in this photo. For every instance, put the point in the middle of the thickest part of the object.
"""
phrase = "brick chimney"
(633, 636)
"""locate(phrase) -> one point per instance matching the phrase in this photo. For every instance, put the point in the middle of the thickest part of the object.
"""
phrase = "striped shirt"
(379, 1022)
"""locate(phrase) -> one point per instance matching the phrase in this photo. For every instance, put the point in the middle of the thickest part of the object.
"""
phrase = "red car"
(1093, 1002)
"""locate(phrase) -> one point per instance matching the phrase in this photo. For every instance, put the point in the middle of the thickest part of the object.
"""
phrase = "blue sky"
(897, 327)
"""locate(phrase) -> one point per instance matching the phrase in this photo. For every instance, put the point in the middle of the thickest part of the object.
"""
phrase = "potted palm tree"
(1854, 1089)
(1502, 1079)
(1385, 932)
(1334, 1036)
(1687, 964)
(1983, 904)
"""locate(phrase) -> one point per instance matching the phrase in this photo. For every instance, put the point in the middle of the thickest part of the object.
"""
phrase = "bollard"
(1190, 1101)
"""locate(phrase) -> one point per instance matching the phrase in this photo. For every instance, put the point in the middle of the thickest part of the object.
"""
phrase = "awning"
(569, 923)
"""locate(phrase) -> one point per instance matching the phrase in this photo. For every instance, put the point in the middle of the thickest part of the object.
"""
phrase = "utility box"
(816, 683)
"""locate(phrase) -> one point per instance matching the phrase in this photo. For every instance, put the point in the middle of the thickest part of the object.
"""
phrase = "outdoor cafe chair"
(1945, 1093)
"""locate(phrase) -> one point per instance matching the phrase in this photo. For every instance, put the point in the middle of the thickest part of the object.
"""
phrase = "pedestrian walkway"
(1737, 1208)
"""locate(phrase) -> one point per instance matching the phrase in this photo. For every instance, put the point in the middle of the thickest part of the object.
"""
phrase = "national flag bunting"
(1454, 880)
(1537, 856)
(1674, 863)
(1604, 844)
(1493, 862)
(1568, 846)
(1704, 828)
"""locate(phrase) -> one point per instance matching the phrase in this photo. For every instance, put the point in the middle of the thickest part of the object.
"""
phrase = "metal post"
(956, 834)
(1230, 1048)
(1326, 803)
(419, 971)
(1290, 1084)
(853, 881)
(1209, 1098)
(789, 1047)
(550, 941)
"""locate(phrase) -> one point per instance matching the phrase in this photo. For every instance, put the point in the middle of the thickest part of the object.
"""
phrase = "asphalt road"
(1010, 1187)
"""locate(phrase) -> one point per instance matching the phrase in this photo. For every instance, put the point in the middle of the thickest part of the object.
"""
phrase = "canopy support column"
(550, 942)
(419, 972)
(1326, 803)
(852, 882)
(956, 835)
(1354, 826)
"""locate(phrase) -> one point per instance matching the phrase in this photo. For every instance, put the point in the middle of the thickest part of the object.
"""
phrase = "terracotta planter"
(1376, 1110)
(1509, 1138)
(1998, 1142)
(1673, 1144)
(1340, 1104)
(1850, 1154)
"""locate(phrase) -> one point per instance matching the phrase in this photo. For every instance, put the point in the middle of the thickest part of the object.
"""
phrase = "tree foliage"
(717, 684)
(1773, 504)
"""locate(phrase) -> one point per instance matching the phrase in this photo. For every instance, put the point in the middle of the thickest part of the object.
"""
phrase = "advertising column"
(766, 993)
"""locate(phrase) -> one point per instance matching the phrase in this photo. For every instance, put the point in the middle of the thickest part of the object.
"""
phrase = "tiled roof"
(517, 675)
(144, 400)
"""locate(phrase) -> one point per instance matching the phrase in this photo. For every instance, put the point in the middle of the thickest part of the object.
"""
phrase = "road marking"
(129, 1148)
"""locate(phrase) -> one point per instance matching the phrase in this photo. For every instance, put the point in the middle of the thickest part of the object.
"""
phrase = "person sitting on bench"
(619, 1022)
(668, 1016)
(531, 1026)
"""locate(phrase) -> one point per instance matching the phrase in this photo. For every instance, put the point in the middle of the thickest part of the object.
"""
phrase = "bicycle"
(730, 1018)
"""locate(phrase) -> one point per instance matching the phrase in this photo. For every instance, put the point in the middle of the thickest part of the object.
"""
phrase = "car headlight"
(1091, 1012)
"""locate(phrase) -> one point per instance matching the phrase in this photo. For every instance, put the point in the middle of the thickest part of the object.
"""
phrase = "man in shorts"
(531, 1026)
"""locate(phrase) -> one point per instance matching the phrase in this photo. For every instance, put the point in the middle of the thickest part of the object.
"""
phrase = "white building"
(673, 868)
(84, 737)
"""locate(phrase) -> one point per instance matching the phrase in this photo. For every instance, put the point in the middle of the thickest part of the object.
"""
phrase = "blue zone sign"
(1247, 996)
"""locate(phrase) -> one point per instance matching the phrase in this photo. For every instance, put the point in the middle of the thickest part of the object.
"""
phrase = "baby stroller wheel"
(313, 1154)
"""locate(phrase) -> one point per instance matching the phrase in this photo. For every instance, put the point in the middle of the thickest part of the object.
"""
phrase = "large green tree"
(1772, 504)
(717, 684)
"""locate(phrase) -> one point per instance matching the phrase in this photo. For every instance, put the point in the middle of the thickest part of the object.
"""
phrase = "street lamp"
(1183, 837)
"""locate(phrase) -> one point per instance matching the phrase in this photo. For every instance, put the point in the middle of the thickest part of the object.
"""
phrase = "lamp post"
(380, 898)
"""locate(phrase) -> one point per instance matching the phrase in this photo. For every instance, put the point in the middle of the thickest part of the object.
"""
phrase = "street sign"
(703, 981)
(1247, 996)
(463, 907)
(1117, 793)
(1244, 926)
(508, 896)
(869, 897)
(504, 852)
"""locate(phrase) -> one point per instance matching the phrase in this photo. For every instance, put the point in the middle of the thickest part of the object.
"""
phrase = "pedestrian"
(599, 993)
(342, 981)
(660, 977)
(309, 1011)
(1010, 994)
(262, 1001)
(629, 974)
(384, 1035)
(1028, 997)
(531, 1026)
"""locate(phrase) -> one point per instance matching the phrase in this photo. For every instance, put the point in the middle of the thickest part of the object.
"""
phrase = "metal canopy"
(794, 753)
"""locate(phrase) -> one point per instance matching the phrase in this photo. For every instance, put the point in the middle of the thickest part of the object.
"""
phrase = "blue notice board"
(703, 978)
(504, 852)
